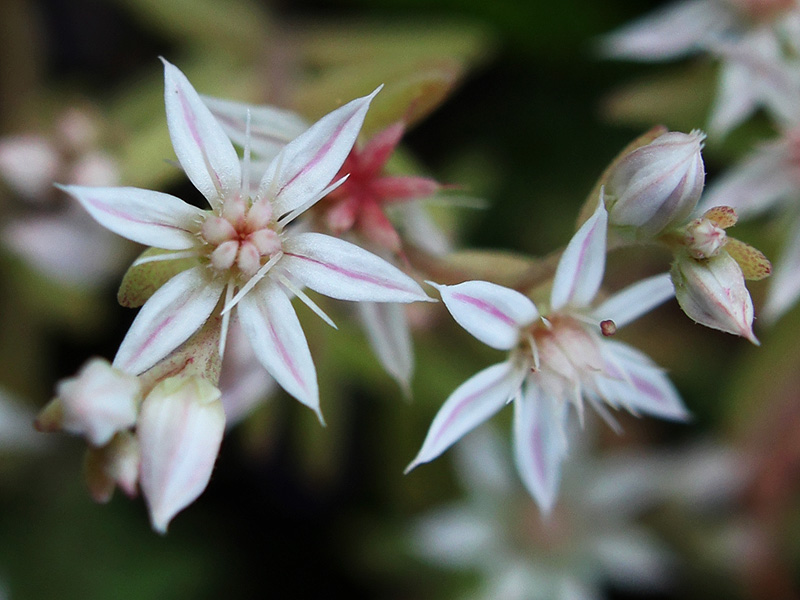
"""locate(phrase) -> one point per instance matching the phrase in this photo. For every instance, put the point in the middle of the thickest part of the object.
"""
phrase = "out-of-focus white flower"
(555, 360)
(749, 37)
(592, 538)
(657, 185)
(241, 248)
(61, 242)
(180, 431)
(16, 425)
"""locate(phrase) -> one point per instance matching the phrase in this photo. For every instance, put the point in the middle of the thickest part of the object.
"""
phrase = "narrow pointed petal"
(390, 338)
(492, 313)
(540, 444)
(379, 148)
(634, 381)
(636, 300)
(344, 271)
(405, 187)
(271, 128)
(202, 148)
(311, 161)
(784, 290)
(180, 431)
(270, 323)
(168, 318)
(472, 403)
(676, 30)
(150, 218)
(581, 267)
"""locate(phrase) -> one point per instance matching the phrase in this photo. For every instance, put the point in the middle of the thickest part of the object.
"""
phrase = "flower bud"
(115, 464)
(180, 431)
(712, 292)
(97, 403)
(657, 185)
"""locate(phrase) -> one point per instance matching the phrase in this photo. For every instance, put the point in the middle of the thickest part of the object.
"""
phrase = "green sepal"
(142, 280)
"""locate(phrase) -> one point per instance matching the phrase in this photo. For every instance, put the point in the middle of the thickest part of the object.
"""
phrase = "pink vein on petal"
(463, 405)
(104, 207)
(580, 261)
(191, 122)
(352, 274)
(286, 356)
(647, 388)
(318, 156)
(485, 307)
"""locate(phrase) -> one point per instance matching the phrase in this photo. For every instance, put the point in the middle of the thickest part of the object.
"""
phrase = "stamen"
(246, 174)
(292, 215)
(534, 351)
(252, 282)
(142, 260)
(306, 300)
(226, 319)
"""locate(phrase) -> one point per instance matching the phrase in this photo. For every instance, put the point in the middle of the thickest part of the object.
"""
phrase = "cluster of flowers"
(154, 417)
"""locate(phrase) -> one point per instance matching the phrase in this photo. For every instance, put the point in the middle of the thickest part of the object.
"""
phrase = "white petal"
(202, 148)
(540, 443)
(634, 559)
(150, 218)
(168, 318)
(390, 338)
(676, 30)
(270, 323)
(472, 403)
(636, 300)
(342, 270)
(784, 288)
(754, 184)
(271, 128)
(581, 267)
(180, 431)
(635, 382)
(492, 313)
(310, 162)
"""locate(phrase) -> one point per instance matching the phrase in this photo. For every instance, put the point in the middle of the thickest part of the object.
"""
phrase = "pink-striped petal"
(540, 443)
(344, 271)
(150, 218)
(635, 382)
(168, 318)
(492, 313)
(271, 128)
(636, 300)
(309, 163)
(202, 148)
(270, 323)
(180, 431)
(581, 267)
(472, 403)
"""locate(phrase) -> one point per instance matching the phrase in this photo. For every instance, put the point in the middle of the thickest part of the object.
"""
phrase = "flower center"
(242, 237)
(566, 349)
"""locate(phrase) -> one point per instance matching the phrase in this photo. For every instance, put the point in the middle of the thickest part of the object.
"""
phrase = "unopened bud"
(657, 185)
(97, 403)
(180, 431)
(115, 464)
(712, 292)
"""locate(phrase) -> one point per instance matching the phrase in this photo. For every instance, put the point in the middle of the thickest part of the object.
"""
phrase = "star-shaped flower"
(562, 357)
(241, 250)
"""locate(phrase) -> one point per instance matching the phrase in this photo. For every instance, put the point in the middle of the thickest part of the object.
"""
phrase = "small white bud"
(180, 431)
(657, 185)
(712, 292)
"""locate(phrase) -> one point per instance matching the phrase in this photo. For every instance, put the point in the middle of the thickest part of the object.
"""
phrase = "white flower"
(595, 537)
(244, 253)
(554, 360)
